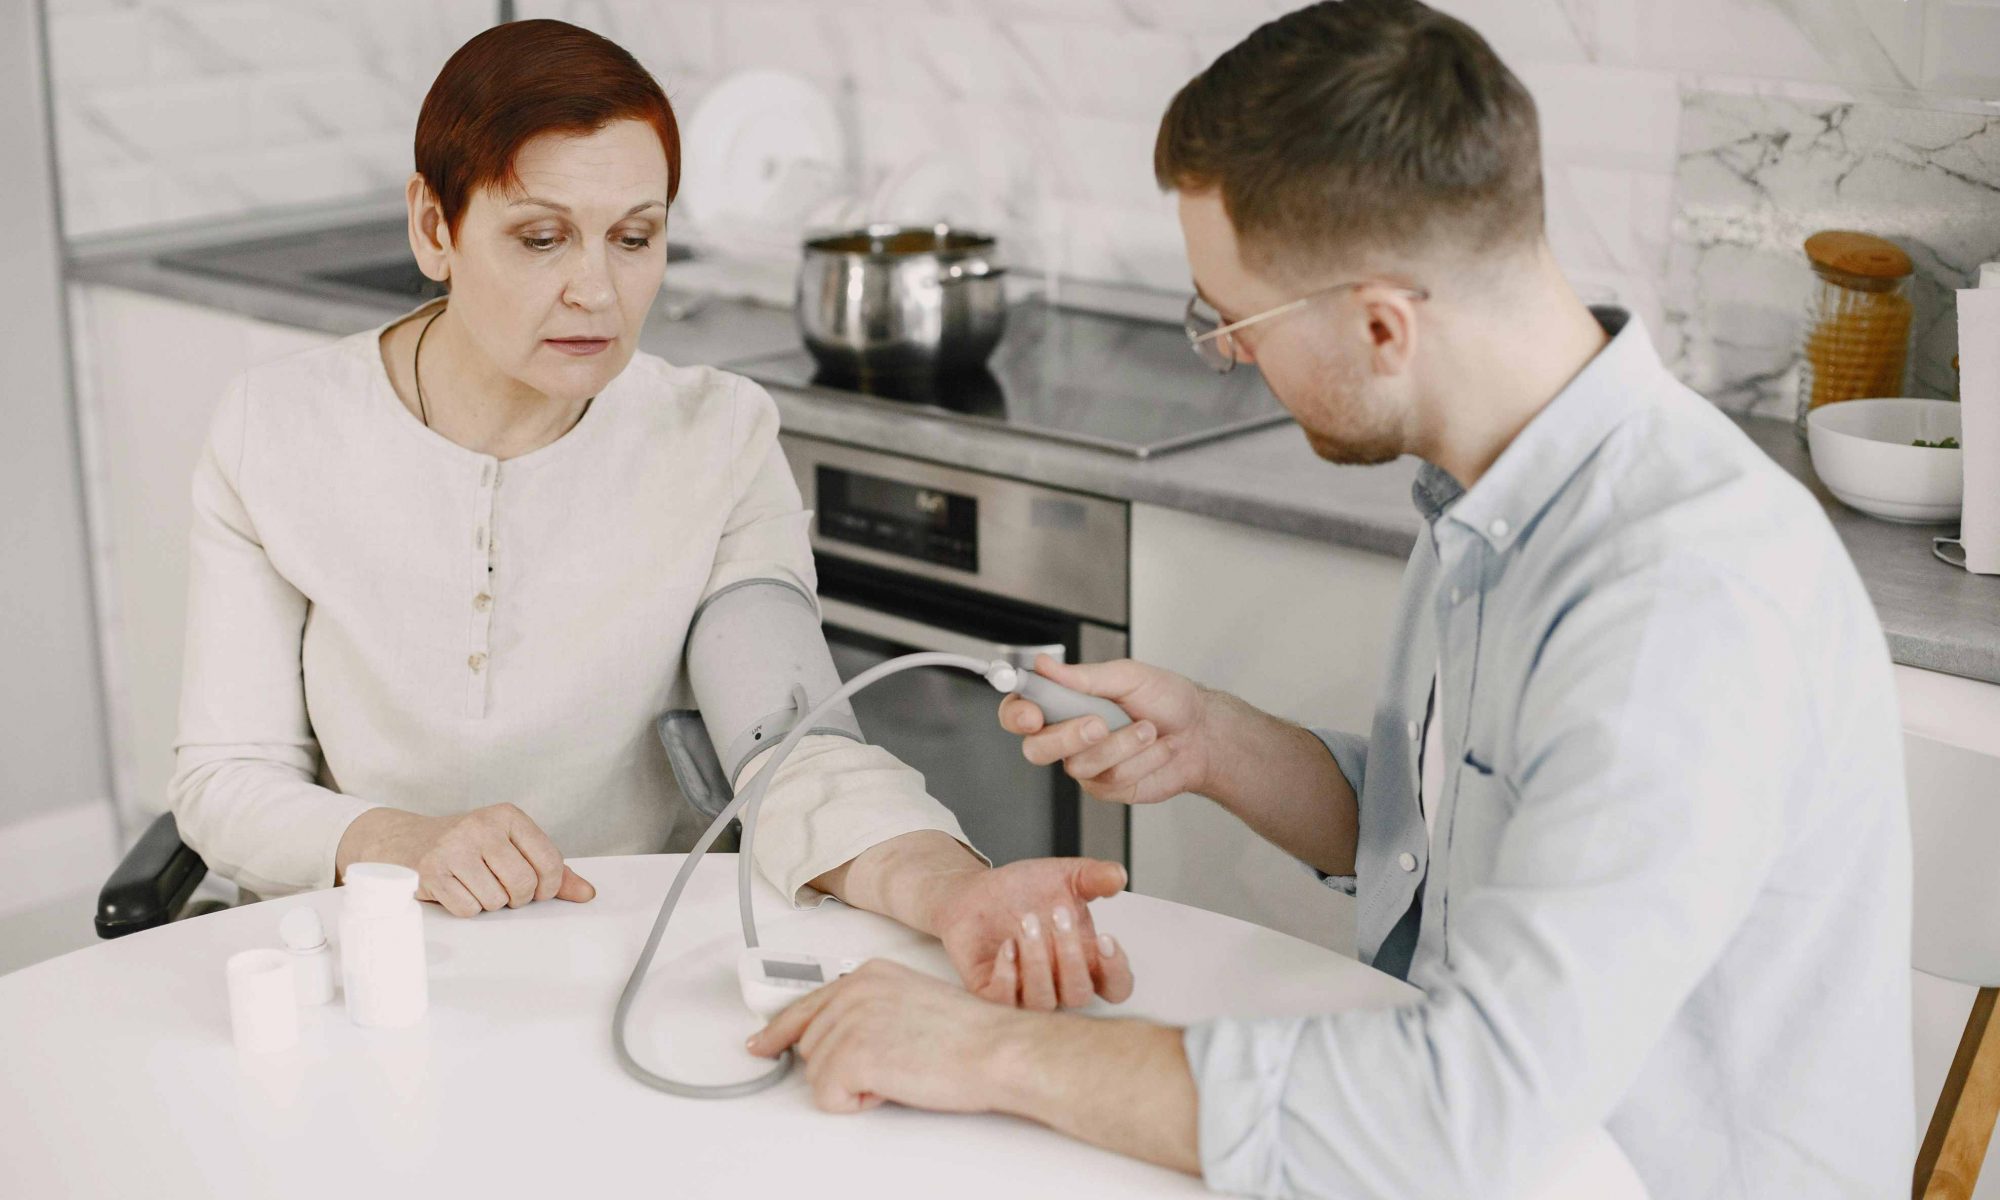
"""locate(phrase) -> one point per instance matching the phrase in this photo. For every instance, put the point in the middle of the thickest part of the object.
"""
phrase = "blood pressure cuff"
(758, 663)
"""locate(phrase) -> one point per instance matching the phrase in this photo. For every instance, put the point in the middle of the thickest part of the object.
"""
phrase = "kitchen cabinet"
(149, 372)
(1296, 627)
(1943, 717)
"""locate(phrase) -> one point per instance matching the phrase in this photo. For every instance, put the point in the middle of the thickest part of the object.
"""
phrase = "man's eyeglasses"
(1215, 342)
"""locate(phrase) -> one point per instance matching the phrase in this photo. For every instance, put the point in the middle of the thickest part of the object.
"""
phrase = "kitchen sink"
(368, 263)
(401, 279)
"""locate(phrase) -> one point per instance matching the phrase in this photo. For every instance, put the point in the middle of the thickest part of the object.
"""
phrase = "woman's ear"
(430, 234)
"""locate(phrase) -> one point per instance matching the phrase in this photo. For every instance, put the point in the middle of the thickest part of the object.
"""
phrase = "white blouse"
(380, 616)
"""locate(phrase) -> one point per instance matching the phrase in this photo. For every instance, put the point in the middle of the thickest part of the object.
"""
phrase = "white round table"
(122, 1080)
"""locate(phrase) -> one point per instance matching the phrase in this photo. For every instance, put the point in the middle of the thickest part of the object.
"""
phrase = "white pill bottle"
(382, 946)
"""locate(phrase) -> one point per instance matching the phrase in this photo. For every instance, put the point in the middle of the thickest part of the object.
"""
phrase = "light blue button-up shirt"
(1669, 887)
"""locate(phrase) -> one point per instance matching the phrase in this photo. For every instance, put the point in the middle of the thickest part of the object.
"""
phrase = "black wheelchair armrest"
(149, 887)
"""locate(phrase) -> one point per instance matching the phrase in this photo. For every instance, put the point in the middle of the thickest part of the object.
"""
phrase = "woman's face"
(552, 280)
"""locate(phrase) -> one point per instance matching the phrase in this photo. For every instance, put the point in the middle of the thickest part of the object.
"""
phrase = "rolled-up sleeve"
(1655, 746)
(833, 798)
(244, 793)
(1350, 754)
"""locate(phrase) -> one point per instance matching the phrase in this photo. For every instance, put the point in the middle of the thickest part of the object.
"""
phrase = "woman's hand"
(490, 858)
(1018, 935)
(1164, 751)
(1022, 934)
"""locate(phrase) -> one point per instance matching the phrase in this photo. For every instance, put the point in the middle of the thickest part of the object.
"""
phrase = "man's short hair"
(1359, 125)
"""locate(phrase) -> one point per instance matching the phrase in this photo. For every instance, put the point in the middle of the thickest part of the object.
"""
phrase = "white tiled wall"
(170, 110)
(179, 108)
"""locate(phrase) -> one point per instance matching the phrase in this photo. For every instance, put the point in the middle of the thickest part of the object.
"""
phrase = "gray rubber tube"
(747, 804)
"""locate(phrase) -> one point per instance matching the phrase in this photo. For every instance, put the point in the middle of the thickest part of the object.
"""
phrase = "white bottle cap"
(301, 931)
(378, 889)
(263, 1001)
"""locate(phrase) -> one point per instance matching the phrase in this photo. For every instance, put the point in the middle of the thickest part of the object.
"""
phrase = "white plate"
(1861, 451)
(763, 149)
(928, 190)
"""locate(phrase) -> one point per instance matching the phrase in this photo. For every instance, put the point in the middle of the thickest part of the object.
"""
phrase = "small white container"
(382, 946)
(1862, 452)
(312, 959)
(263, 1001)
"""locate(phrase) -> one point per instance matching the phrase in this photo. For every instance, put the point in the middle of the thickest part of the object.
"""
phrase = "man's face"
(1321, 361)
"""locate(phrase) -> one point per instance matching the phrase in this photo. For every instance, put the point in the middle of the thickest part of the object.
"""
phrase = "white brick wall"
(171, 109)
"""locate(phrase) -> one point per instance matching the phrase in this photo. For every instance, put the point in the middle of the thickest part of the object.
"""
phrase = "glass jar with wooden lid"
(1857, 340)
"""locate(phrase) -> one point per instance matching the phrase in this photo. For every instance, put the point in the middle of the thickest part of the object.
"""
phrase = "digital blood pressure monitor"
(772, 979)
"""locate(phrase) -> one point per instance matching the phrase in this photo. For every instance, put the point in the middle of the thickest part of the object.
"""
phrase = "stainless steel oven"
(915, 556)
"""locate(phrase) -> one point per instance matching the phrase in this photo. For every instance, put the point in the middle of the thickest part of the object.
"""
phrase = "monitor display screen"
(805, 972)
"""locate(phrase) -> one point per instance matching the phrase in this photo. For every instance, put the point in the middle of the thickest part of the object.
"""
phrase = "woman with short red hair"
(444, 570)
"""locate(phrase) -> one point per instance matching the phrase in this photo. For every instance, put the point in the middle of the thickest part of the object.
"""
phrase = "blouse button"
(476, 661)
(1407, 861)
(482, 602)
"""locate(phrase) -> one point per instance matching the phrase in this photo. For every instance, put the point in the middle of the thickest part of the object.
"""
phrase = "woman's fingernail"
(750, 1043)
(1064, 921)
(1145, 734)
(1031, 925)
(1007, 950)
(1105, 946)
(1094, 732)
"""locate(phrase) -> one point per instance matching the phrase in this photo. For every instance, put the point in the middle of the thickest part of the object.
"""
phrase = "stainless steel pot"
(901, 300)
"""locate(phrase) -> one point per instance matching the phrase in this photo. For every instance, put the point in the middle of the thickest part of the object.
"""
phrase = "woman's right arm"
(243, 791)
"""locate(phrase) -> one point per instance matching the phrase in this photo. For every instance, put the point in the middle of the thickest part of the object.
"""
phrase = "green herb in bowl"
(1950, 443)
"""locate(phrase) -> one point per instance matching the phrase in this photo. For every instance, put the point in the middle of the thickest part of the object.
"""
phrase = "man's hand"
(1022, 933)
(889, 1033)
(1165, 751)
(1277, 778)
(490, 858)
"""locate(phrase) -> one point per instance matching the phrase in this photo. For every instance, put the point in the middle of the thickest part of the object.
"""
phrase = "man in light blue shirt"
(1631, 813)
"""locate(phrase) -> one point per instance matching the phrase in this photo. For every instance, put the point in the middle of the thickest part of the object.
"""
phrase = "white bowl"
(1862, 452)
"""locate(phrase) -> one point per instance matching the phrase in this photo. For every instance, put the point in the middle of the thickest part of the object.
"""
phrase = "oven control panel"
(925, 523)
(1055, 549)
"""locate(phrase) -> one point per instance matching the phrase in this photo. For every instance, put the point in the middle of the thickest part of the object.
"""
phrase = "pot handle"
(963, 271)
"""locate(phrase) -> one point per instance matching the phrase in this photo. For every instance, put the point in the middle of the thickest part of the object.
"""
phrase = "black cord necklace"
(416, 373)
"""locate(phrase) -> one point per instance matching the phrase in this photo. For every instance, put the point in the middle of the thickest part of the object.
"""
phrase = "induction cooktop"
(1115, 383)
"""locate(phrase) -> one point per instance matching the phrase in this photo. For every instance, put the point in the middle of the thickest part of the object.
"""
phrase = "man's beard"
(1364, 430)
(1356, 453)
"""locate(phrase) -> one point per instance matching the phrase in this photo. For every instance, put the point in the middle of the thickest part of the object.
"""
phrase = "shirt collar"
(1547, 454)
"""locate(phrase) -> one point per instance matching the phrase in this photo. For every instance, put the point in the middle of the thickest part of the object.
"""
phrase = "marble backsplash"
(1685, 204)
(1758, 174)
(171, 111)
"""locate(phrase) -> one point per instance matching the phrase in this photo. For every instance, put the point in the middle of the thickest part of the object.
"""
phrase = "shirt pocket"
(1484, 804)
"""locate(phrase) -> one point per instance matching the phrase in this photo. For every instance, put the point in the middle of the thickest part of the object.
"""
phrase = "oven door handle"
(904, 631)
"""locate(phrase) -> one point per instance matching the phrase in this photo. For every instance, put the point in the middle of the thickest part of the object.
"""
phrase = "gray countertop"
(1937, 617)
